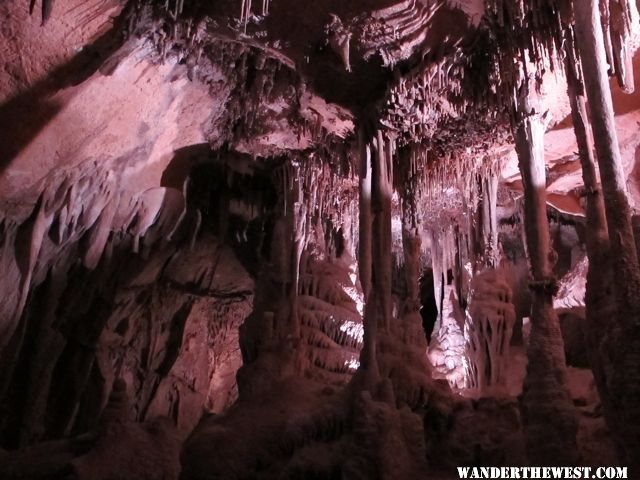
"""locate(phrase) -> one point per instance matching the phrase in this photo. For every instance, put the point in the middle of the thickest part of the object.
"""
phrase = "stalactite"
(408, 182)
(623, 343)
(245, 14)
(550, 418)
(622, 15)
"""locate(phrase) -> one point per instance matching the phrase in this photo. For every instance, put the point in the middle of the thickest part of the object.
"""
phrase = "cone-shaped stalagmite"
(550, 418)
(622, 338)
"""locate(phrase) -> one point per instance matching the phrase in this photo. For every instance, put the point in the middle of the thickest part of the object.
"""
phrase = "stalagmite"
(623, 341)
(550, 418)
(438, 277)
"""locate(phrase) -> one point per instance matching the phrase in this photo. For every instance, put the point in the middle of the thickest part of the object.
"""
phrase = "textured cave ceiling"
(63, 105)
(207, 207)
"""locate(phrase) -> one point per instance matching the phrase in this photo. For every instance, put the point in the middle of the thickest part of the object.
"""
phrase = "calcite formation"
(488, 330)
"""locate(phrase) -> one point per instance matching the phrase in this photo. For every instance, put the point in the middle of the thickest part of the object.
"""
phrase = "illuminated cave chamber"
(284, 239)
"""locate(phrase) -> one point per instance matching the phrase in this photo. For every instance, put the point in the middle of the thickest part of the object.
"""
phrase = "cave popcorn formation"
(260, 240)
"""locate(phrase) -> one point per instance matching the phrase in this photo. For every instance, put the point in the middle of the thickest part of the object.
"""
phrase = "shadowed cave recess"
(317, 240)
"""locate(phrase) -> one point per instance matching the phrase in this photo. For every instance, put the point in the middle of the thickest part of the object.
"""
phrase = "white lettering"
(463, 472)
(621, 472)
(542, 472)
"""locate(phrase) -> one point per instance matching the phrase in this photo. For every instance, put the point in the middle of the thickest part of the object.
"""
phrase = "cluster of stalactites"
(454, 200)
(618, 18)
(438, 190)
(322, 188)
(533, 27)
(419, 101)
(472, 84)
(246, 12)
(256, 75)
(536, 32)
(396, 32)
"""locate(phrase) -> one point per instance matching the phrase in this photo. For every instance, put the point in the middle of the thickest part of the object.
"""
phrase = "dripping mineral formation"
(334, 240)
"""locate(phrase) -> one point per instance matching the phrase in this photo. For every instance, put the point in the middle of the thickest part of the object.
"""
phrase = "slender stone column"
(382, 187)
(599, 301)
(550, 418)
(591, 47)
(368, 360)
(622, 338)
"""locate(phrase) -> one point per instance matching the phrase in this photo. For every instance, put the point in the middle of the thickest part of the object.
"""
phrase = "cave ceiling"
(281, 77)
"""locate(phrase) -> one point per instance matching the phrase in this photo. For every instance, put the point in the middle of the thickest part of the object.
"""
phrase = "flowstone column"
(550, 418)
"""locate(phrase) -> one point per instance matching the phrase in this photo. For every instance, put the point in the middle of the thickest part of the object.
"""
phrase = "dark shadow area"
(429, 309)
(23, 116)
(214, 190)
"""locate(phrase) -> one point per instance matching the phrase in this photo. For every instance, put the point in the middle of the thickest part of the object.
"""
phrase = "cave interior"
(382, 239)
